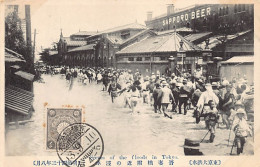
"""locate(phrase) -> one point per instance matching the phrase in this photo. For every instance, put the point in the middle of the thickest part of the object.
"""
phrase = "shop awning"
(16, 67)
(198, 36)
(12, 57)
(18, 100)
(216, 40)
(239, 59)
(25, 75)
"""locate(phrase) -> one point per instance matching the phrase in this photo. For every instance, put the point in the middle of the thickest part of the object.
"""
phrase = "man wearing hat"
(150, 88)
(199, 85)
(175, 93)
(184, 95)
(206, 97)
(153, 76)
(238, 105)
(215, 88)
(166, 97)
(228, 105)
(173, 77)
(241, 130)
(195, 97)
(113, 88)
(105, 80)
(157, 96)
(145, 91)
(198, 73)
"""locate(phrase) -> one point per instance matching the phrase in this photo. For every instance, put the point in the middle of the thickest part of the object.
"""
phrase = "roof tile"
(82, 48)
(84, 33)
(11, 56)
(124, 27)
(160, 43)
(71, 42)
(25, 75)
(240, 59)
(18, 99)
(194, 37)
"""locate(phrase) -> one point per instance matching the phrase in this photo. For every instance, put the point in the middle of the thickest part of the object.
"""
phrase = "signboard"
(187, 16)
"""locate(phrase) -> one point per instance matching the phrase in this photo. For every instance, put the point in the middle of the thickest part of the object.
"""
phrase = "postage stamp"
(80, 143)
(57, 120)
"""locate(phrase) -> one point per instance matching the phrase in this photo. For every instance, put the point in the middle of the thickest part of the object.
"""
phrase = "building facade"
(211, 32)
(164, 53)
(99, 49)
(66, 44)
(217, 18)
(221, 31)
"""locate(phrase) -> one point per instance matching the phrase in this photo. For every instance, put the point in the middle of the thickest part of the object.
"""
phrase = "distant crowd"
(172, 93)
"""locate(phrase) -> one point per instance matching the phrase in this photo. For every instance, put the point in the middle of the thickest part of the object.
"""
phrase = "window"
(221, 11)
(243, 7)
(139, 59)
(125, 34)
(147, 58)
(239, 8)
(188, 25)
(130, 59)
(227, 10)
(163, 58)
(204, 21)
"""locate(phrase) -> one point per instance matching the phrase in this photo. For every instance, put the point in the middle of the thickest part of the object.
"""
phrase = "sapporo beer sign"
(57, 120)
(187, 16)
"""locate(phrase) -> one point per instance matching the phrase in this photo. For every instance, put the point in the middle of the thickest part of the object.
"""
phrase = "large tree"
(14, 39)
(45, 56)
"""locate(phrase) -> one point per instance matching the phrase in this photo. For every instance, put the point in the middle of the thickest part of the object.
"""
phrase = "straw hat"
(147, 78)
(178, 84)
(239, 103)
(225, 83)
(200, 80)
(241, 111)
(214, 84)
(207, 85)
(164, 83)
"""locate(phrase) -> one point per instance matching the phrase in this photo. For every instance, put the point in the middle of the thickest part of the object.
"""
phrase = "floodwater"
(124, 133)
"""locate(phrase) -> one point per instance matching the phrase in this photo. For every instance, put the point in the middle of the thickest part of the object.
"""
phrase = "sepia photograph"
(146, 82)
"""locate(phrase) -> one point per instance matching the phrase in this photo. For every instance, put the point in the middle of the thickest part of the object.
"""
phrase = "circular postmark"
(80, 144)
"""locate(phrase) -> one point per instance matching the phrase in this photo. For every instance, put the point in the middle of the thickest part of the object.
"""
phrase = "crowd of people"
(223, 102)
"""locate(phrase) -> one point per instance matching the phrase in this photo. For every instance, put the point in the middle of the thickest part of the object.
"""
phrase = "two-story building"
(66, 44)
(100, 48)
(221, 31)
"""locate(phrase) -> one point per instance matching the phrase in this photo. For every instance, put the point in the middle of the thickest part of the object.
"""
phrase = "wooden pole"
(33, 54)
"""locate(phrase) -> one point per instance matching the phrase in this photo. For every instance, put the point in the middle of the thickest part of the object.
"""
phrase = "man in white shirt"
(206, 97)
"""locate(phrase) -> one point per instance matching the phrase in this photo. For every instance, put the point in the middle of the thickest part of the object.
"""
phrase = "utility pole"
(33, 54)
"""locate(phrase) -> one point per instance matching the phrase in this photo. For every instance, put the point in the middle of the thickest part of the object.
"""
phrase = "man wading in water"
(113, 87)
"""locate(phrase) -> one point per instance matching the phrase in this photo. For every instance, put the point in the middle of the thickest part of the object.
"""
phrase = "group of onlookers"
(169, 94)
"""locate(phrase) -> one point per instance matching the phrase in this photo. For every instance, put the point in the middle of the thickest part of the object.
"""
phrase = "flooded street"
(123, 133)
